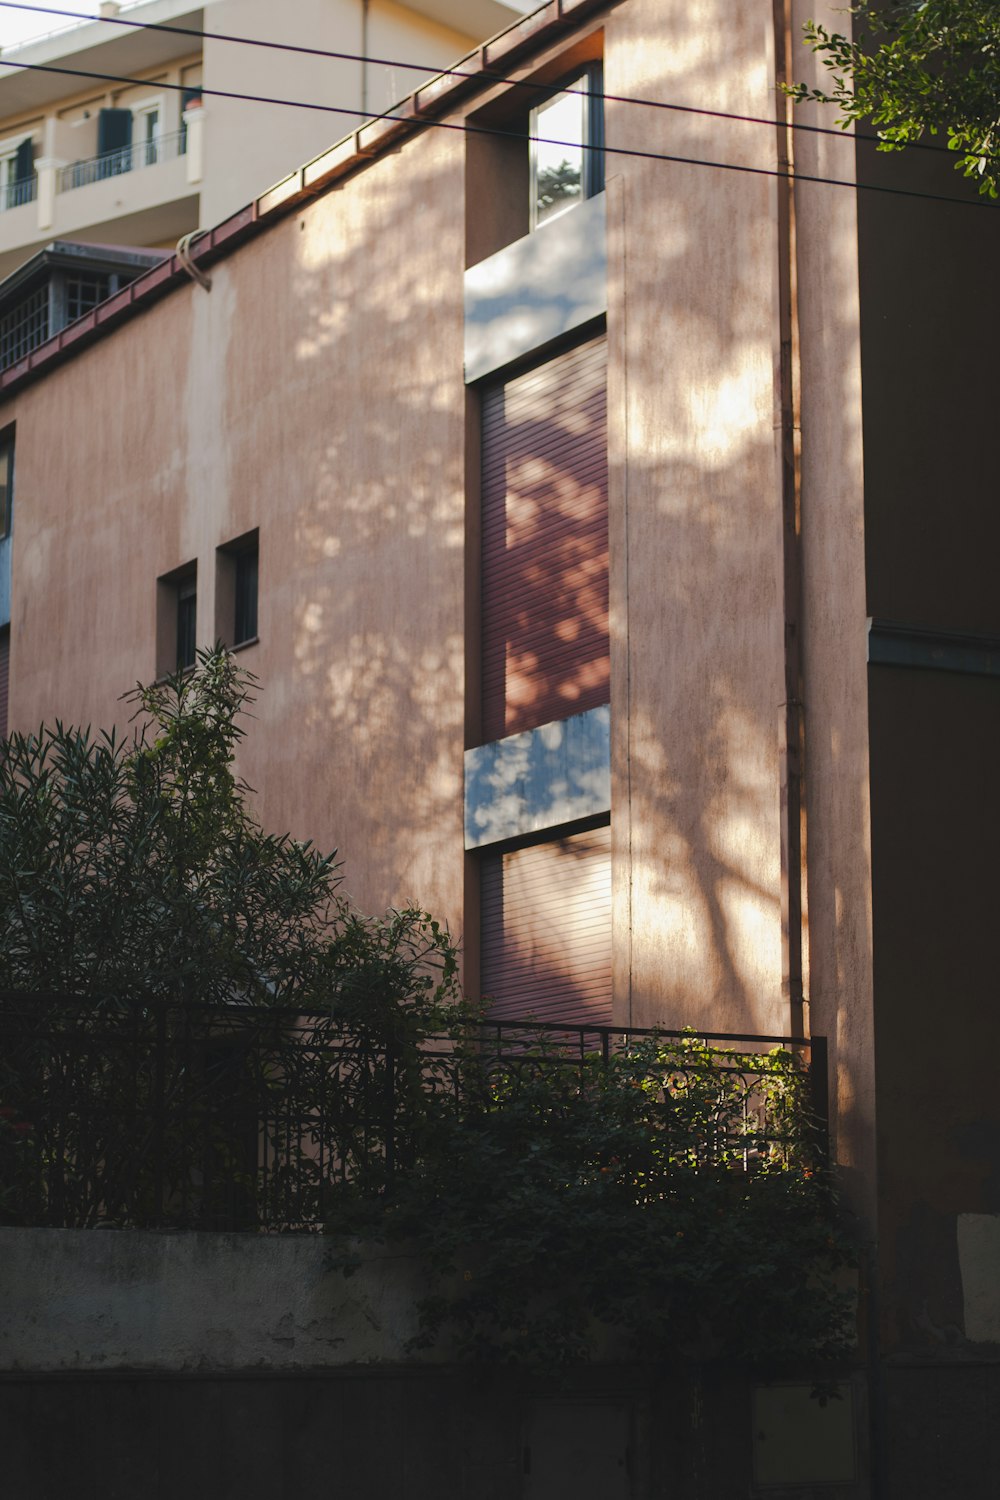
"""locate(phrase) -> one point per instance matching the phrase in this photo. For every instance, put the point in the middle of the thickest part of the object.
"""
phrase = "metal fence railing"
(13, 194)
(131, 158)
(165, 1114)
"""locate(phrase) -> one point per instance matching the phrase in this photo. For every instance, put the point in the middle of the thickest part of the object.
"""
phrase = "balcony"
(146, 193)
(14, 194)
(132, 158)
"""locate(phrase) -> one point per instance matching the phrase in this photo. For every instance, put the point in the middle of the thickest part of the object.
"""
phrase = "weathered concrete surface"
(329, 355)
(78, 1300)
(696, 525)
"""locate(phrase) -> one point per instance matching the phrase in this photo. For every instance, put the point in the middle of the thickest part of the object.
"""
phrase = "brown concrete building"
(612, 536)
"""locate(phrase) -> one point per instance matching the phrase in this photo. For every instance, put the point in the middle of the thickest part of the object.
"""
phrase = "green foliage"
(168, 946)
(919, 67)
(668, 1199)
(561, 1206)
(135, 867)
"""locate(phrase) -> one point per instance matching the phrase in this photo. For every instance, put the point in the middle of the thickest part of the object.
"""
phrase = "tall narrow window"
(246, 597)
(545, 642)
(151, 134)
(187, 616)
(176, 620)
(6, 485)
(114, 141)
(18, 183)
(4, 677)
(566, 134)
(546, 930)
(236, 576)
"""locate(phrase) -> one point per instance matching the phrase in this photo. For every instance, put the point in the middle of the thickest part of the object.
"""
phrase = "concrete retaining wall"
(78, 1300)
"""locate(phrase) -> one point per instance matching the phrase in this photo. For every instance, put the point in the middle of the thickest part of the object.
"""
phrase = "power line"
(545, 90)
(422, 123)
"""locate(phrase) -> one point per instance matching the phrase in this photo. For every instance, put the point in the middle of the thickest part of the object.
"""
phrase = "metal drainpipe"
(792, 718)
(364, 60)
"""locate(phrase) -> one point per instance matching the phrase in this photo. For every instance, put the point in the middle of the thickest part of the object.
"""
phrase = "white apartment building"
(127, 139)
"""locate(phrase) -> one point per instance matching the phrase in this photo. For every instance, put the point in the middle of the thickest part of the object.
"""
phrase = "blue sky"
(24, 23)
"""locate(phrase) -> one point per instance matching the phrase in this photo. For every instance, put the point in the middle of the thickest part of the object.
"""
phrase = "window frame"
(171, 588)
(592, 110)
(146, 143)
(186, 633)
(245, 606)
(231, 570)
(7, 485)
(14, 190)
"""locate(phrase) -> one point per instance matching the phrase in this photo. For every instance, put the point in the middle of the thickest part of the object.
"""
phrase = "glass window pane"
(246, 597)
(557, 159)
(187, 606)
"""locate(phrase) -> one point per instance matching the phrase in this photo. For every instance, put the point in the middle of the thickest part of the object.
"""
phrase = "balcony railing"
(13, 194)
(171, 1115)
(124, 159)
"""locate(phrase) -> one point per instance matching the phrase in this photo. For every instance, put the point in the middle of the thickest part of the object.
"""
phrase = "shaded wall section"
(837, 895)
(929, 307)
(935, 815)
(929, 303)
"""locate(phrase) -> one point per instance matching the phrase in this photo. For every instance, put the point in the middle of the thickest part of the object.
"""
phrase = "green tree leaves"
(134, 868)
(919, 68)
(635, 1207)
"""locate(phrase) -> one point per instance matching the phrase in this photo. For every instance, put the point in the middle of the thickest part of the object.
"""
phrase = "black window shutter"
(24, 160)
(114, 130)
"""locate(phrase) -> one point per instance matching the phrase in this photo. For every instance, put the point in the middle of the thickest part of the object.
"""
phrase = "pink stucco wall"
(316, 392)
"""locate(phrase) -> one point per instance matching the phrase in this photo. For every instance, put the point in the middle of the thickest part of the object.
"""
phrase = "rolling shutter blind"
(546, 930)
(545, 543)
(4, 679)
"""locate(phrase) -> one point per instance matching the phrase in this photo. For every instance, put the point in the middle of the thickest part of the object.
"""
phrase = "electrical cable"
(549, 90)
(423, 123)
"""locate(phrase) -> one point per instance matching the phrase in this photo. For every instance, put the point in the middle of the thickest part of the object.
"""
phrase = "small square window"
(236, 579)
(176, 620)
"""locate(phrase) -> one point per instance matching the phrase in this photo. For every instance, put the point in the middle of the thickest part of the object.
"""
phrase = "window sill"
(253, 640)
